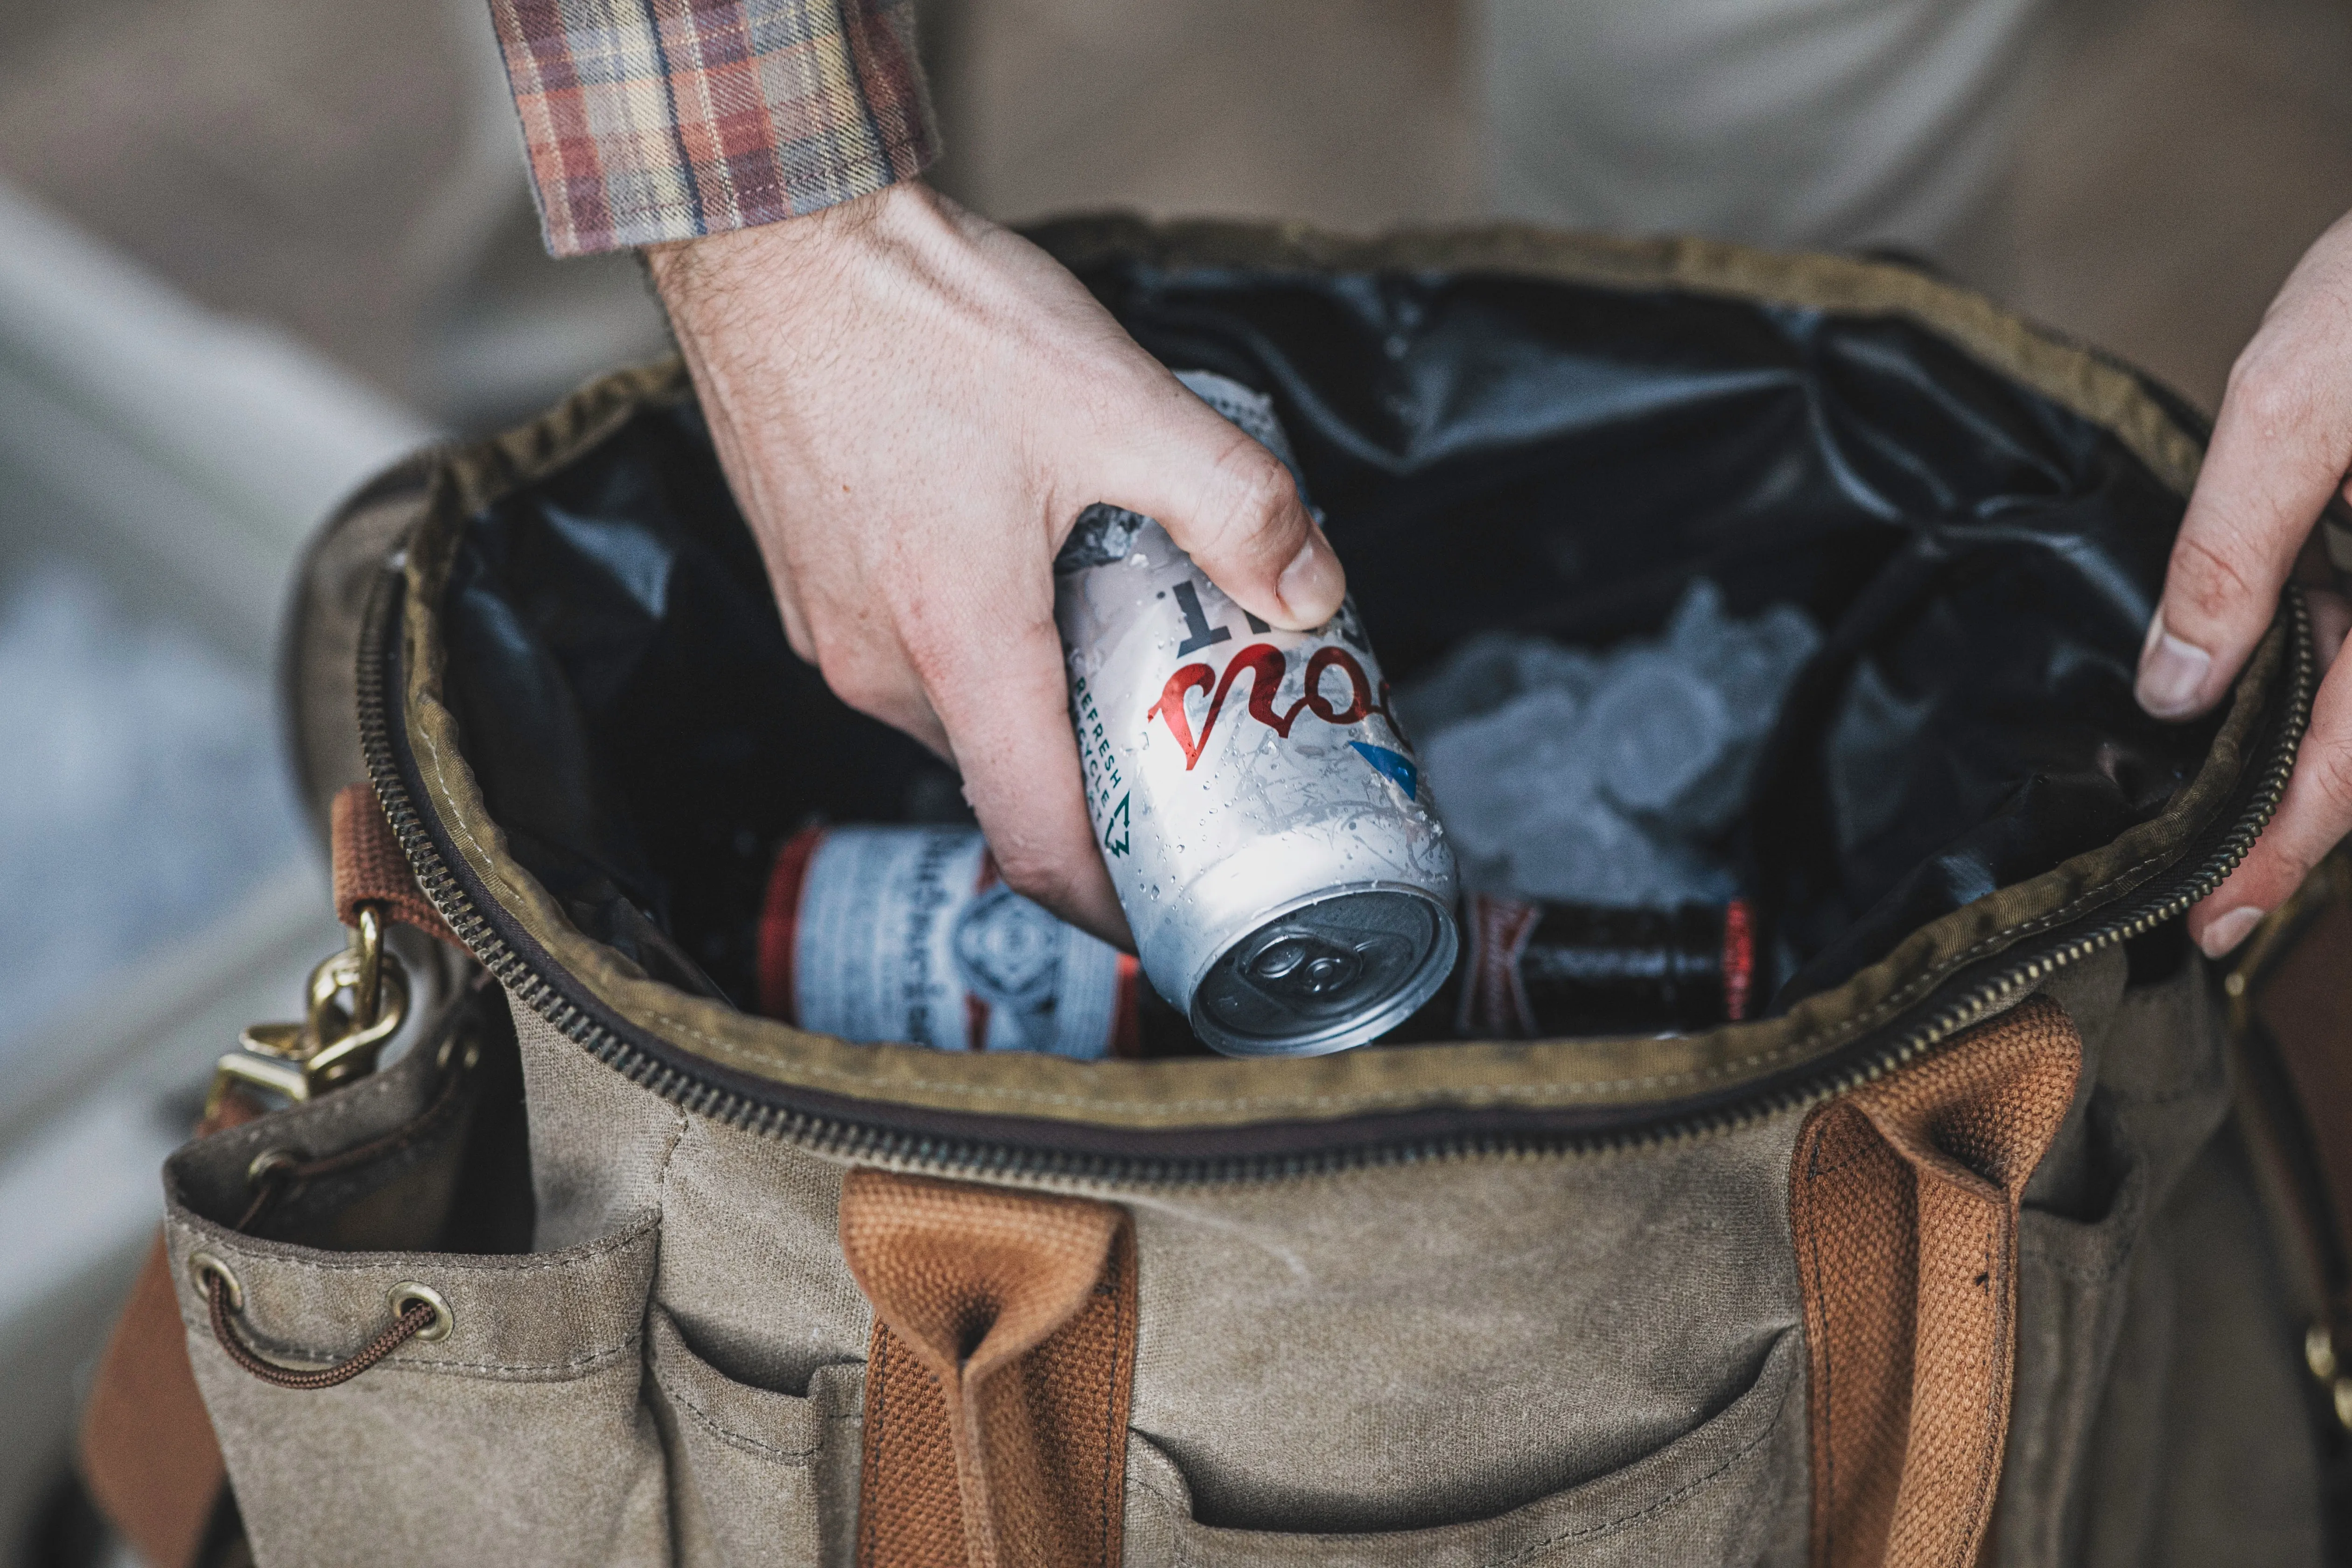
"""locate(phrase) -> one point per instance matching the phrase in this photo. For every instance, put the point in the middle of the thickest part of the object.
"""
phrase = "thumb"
(1227, 502)
(2280, 445)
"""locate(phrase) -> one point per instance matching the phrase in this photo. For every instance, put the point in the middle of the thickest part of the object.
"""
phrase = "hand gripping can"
(1265, 821)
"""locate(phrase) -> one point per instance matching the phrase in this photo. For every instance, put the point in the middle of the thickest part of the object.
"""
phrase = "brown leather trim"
(370, 867)
(997, 1388)
(1903, 1203)
(147, 1450)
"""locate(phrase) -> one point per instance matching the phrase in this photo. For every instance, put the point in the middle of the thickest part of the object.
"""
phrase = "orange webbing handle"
(997, 1389)
(1904, 1207)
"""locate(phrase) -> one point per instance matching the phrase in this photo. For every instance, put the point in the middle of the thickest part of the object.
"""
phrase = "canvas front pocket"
(2071, 1298)
(756, 1476)
(519, 1437)
(1730, 1490)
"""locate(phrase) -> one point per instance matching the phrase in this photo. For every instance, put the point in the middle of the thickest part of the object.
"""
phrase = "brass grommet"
(444, 1319)
(203, 1266)
(269, 1161)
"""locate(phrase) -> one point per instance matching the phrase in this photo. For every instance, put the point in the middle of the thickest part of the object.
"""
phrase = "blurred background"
(251, 250)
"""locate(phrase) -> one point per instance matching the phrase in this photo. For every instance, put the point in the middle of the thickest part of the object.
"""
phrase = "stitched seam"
(1111, 1499)
(799, 1457)
(389, 1263)
(661, 1176)
(2079, 1274)
(1662, 1504)
(877, 1395)
(1525, 1553)
(536, 1371)
(1177, 1518)
(1995, 1411)
(1823, 1451)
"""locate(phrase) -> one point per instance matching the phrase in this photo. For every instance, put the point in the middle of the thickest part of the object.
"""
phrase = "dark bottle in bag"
(1532, 970)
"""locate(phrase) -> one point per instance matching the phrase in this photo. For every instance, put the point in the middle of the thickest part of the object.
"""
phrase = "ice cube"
(1697, 626)
(1475, 677)
(1759, 661)
(1490, 772)
(1586, 852)
(1607, 777)
(1655, 728)
(1580, 851)
(1542, 665)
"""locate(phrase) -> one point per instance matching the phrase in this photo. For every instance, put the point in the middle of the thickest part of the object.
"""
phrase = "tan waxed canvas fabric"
(1485, 1360)
(1418, 1310)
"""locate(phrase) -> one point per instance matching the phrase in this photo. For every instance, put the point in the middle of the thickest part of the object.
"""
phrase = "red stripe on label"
(1127, 1012)
(1739, 960)
(780, 924)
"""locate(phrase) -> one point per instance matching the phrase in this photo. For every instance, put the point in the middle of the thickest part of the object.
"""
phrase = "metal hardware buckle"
(337, 1040)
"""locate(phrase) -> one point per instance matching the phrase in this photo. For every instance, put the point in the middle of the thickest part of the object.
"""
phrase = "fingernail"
(1309, 585)
(2226, 931)
(2171, 674)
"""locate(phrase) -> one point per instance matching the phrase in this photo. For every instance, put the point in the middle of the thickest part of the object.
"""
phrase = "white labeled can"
(1265, 821)
(907, 934)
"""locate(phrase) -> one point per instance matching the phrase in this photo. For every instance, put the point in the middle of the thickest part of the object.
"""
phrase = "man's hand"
(913, 405)
(2282, 448)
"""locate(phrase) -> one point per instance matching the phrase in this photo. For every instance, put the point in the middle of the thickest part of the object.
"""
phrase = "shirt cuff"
(649, 120)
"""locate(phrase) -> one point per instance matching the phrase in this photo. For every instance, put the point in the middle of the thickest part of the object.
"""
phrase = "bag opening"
(1493, 452)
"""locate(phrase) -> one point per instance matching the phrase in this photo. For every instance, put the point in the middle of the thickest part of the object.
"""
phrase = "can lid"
(1332, 974)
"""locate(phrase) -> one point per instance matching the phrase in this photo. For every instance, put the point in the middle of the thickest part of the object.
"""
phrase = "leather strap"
(371, 868)
(997, 1390)
(147, 1449)
(2304, 999)
(1902, 1201)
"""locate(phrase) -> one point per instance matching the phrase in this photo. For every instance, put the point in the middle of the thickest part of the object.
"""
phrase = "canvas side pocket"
(756, 1476)
(518, 1437)
(2071, 1295)
(1730, 1490)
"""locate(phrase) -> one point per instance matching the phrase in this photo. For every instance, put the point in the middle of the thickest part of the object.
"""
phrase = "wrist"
(779, 258)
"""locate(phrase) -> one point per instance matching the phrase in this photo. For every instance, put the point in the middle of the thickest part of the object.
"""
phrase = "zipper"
(851, 1139)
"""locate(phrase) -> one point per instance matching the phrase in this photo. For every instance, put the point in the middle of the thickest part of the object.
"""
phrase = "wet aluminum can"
(1265, 824)
(907, 934)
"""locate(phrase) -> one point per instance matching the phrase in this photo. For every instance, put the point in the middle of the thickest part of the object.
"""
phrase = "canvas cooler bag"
(2003, 1236)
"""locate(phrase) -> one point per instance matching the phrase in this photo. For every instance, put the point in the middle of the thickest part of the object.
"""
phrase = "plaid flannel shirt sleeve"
(659, 119)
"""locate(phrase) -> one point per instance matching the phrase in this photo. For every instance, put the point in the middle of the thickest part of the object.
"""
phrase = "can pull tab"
(358, 999)
(1304, 967)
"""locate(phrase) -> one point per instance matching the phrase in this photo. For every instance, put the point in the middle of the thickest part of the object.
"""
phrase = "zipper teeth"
(849, 1140)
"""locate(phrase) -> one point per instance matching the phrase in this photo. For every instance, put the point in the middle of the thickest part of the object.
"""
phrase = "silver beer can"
(907, 934)
(1265, 824)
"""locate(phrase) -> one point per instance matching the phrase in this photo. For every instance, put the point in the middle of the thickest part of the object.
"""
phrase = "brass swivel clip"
(358, 999)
